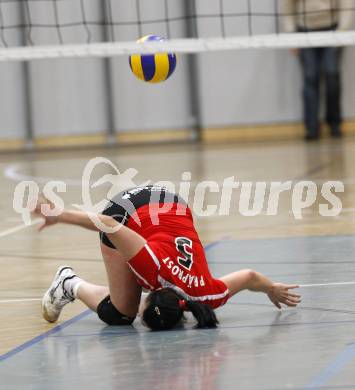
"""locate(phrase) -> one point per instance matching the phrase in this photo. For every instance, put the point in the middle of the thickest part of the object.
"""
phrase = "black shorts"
(126, 203)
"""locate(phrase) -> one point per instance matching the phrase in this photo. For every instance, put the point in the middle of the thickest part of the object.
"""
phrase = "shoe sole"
(45, 314)
(46, 296)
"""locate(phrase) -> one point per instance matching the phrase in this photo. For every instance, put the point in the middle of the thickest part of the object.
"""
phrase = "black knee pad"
(109, 314)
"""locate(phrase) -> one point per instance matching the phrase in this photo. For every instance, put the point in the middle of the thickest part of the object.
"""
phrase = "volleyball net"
(39, 29)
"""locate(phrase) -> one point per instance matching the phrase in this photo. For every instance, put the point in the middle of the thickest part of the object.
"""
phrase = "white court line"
(20, 300)
(328, 284)
(19, 227)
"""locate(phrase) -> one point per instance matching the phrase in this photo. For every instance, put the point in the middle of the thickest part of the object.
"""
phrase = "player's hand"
(294, 51)
(279, 293)
(40, 211)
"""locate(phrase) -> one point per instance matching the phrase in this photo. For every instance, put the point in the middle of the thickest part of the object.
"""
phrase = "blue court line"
(65, 324)
(334, 367)
(43, 336)
(211, 245)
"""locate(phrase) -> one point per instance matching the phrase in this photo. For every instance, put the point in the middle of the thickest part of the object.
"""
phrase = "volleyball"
(152, 68)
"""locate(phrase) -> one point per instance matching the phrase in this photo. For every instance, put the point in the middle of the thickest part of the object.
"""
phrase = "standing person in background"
(319, 15)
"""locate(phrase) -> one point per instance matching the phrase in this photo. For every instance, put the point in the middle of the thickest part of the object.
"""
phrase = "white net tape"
(200, 45)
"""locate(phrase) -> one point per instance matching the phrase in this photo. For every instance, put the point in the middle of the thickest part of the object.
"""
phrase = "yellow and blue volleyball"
(152, 68)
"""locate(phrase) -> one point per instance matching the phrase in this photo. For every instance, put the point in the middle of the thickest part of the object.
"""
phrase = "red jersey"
(174, 256)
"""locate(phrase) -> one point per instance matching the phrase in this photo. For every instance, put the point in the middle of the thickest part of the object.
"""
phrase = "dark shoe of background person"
(311, 137)
(335, 132)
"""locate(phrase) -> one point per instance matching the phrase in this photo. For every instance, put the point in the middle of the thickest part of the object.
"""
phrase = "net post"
(29, 136)
(192, 32)
(167, 22)
(26, 71)
(250, 19)
(277, 17)
(109, 35)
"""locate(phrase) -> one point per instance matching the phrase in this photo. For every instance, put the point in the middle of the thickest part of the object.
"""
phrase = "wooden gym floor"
(255, 347)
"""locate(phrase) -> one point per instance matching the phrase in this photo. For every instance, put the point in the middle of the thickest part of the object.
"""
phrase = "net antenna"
(77, 24)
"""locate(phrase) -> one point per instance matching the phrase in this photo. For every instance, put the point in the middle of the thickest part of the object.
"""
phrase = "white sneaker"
(56, 296)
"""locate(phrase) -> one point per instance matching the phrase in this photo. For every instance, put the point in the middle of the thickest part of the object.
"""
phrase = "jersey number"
(184, 246)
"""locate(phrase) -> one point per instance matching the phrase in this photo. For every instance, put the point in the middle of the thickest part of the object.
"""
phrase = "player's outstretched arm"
(254, 281)
(127, 241)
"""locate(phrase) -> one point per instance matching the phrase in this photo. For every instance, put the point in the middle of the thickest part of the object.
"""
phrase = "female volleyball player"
(156, 247)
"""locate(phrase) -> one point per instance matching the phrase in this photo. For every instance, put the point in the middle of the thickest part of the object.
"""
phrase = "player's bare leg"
(125, 292)
(91, 294)
(123, 288)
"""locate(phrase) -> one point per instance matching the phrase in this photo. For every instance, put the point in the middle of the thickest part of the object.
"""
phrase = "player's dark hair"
(165, 309)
